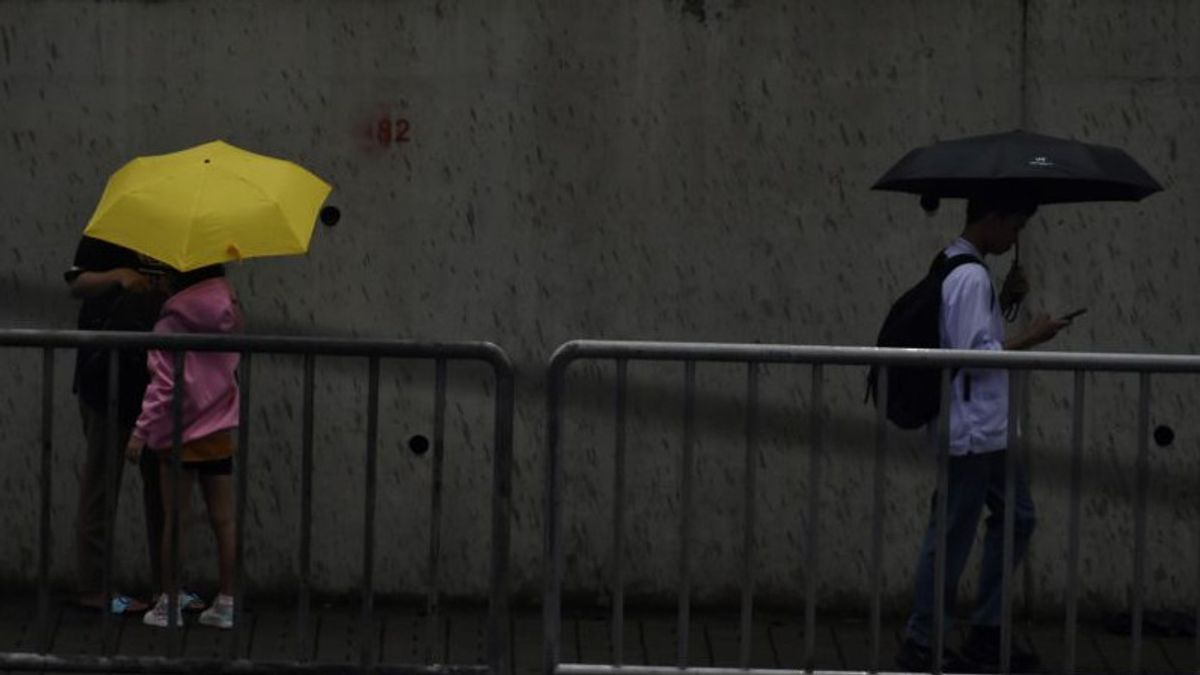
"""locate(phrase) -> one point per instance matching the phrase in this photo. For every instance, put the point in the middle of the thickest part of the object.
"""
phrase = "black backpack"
(914, 394)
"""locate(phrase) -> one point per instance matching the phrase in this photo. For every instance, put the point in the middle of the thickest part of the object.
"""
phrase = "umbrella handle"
(1010, 314)
(1014, 308)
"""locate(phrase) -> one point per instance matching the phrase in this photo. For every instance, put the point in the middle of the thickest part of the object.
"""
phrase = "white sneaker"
(157, 616)
(220, 613)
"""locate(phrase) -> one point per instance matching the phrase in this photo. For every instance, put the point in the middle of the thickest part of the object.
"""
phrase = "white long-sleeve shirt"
(971, 319)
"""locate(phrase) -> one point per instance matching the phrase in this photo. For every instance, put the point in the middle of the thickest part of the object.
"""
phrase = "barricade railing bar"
(1018, 363)
(375, 351)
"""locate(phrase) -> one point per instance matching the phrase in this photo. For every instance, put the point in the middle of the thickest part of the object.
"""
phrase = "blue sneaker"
(191, 602)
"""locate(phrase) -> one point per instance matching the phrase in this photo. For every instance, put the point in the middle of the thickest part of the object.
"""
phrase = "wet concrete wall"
(531, 172)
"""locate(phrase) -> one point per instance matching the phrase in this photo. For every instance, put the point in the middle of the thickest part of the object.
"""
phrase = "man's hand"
(133, 450)
(94, 284)
(1015, 287)
(1042, 329)
(131, 280)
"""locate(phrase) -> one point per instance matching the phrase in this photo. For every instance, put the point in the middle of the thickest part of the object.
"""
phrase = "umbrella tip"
(930, 203)
(330, 215)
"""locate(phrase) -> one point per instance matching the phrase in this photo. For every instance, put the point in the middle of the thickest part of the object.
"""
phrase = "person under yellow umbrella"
(193, 210)
(200, 301)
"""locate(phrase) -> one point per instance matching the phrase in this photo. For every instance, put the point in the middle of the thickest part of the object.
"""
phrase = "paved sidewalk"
(459, 636)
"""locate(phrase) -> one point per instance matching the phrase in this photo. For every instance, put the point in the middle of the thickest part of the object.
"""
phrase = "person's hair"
(1000, 204)
(182, 280)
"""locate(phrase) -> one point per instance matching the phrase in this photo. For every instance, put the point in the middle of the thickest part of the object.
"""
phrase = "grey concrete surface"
(650, 169)
(401, 636)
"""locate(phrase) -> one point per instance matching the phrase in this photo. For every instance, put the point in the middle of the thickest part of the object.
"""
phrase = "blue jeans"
(974, 481)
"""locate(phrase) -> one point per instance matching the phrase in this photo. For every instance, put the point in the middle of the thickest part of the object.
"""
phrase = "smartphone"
(1072, 315)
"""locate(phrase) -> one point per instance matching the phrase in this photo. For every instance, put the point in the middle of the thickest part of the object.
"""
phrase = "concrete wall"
(653, 169)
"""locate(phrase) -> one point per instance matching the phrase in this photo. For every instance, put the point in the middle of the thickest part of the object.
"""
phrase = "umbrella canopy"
(209, 204)
(1043, 168)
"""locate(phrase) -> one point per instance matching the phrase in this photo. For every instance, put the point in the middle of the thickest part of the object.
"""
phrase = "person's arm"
(156, 403)
(1041, 330)
(967, 300)
(85, 284)
(156, 417)
(969, 316)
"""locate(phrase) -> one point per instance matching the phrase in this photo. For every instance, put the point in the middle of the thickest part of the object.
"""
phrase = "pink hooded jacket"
(210, 399)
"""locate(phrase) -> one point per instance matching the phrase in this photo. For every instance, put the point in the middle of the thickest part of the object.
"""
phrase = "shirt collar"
(961, 245)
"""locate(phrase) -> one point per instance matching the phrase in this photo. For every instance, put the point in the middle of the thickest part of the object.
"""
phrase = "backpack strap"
(945, 265)
(948, 265)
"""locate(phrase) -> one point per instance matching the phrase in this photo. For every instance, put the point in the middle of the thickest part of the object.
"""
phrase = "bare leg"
(185, 496)
(218, 494)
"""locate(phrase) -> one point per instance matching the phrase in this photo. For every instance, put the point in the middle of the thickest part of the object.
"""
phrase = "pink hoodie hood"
(205, 307)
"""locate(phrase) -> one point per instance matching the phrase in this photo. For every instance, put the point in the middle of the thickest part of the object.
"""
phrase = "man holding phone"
(972, 317)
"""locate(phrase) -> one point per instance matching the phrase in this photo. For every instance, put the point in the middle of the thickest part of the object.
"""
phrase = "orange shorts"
(213, 447)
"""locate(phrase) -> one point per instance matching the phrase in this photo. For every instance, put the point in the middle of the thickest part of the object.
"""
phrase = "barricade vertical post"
(1196, 617)
(304, 647)
(1070, 633)
(174, 626)
(1141, 488)
(941, 513)
(748, 520)
(433, 634)
(812, 570)
(499, 642)
(368, 589)
(1016, 394)
(618, 556)
(552, 544)
(112, 456)
(881, 442)
(43, 610)
(685, 520)
(1025, 462)
(243, 467)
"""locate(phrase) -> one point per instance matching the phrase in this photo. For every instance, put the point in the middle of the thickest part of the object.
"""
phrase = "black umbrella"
(1043, 168)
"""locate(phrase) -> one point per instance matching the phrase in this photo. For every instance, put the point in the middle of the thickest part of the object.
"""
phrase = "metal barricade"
(818, 357)
(498, 643)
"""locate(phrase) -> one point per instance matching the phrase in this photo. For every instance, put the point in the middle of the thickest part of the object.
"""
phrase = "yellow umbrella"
(209, 204)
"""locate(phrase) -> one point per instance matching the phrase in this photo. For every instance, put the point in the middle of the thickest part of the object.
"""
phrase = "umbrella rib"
(269, 199)
(299, 244)
(191, 222)
(99, 216)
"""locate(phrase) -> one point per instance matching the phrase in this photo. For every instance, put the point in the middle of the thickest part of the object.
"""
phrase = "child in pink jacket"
(201, 302)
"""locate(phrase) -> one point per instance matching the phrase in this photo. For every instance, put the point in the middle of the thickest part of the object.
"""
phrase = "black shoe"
(917, 658)
(982, 649)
